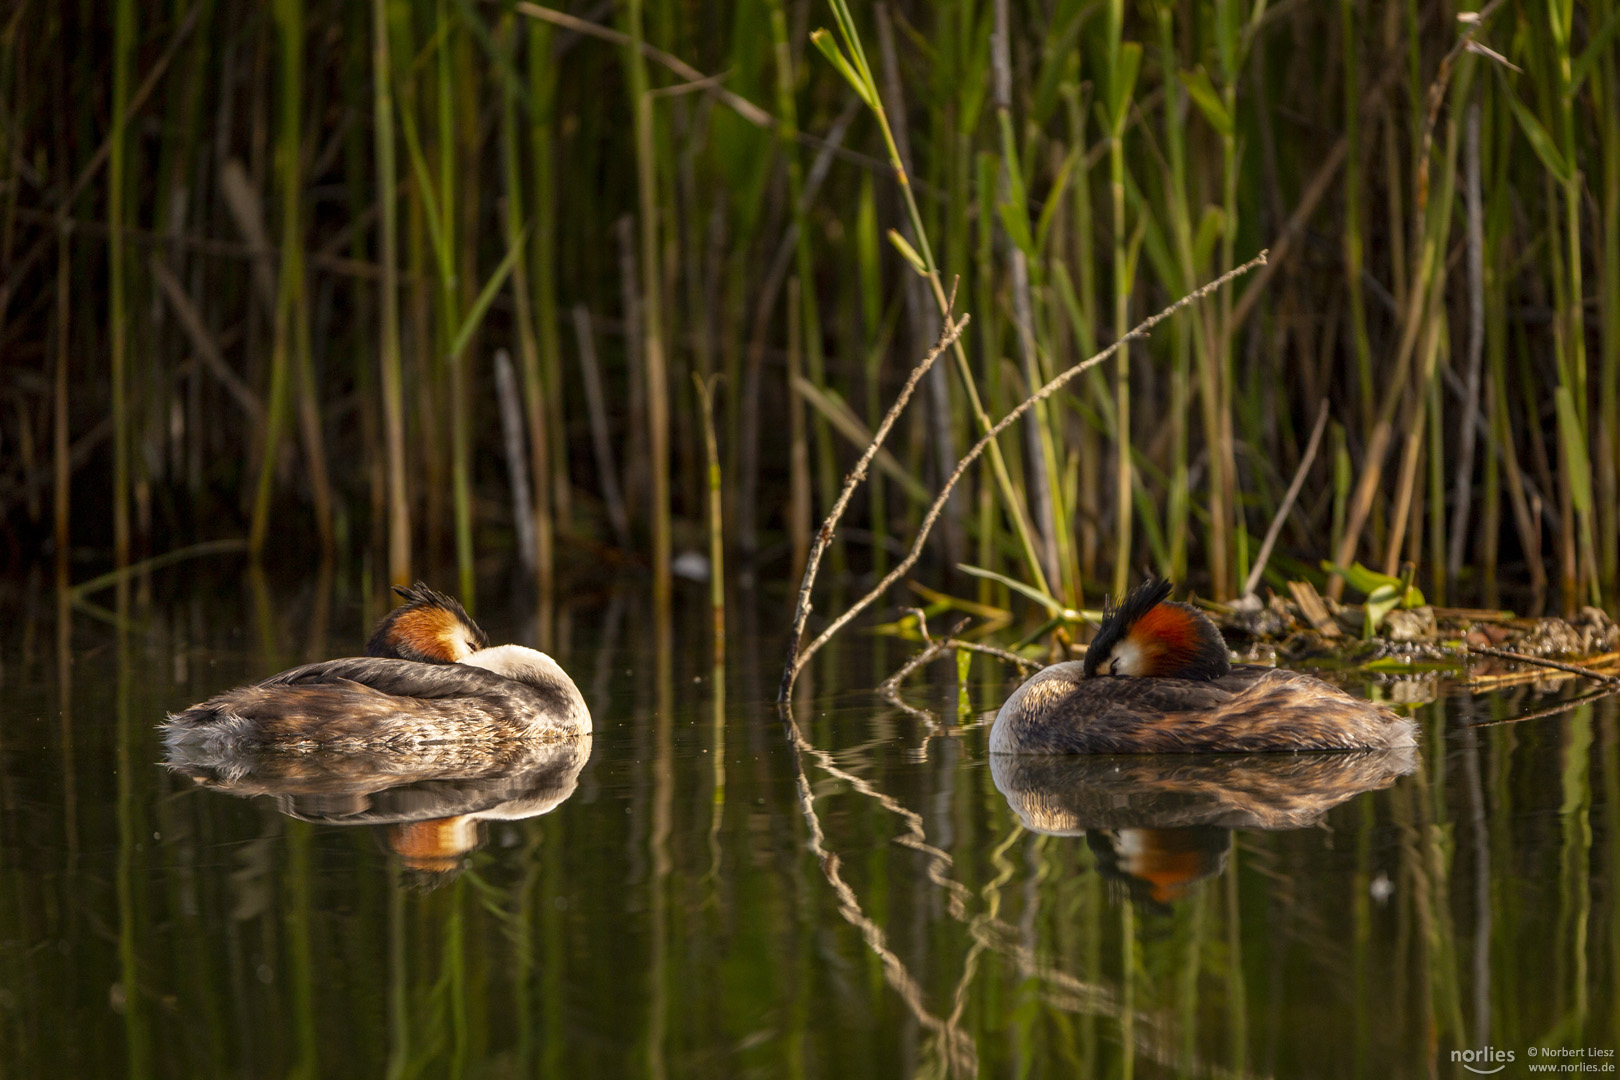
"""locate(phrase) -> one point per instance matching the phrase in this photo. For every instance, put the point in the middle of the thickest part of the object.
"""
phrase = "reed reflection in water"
(862, 892)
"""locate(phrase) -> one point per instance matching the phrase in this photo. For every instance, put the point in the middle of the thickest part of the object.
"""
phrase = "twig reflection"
(1148, 1035)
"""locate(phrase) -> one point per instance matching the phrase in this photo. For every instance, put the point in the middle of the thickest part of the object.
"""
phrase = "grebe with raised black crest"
(1157, 679)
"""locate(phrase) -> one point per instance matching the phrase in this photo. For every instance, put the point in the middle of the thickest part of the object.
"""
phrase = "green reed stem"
(450, 304)
(860, 76)
(827, 476)
(717, 545)
(528, 342)
(289, 18)
(1123, 62)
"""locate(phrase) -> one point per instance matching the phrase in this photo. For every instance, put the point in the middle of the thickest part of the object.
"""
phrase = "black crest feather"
(416, 597)
(1118, 618)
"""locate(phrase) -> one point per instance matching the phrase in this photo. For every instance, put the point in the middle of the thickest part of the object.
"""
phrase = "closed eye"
(1113, 666)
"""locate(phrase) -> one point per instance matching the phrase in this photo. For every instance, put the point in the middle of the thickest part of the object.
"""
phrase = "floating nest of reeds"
(1306, 627)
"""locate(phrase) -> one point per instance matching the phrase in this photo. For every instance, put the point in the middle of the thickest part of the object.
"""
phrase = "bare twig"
(1022, 662)
(890, 687)
(191, 321)
(740, 105)
(933, 651)
(1556, 665)
(797, 658)
(949, 643)
(951, 331)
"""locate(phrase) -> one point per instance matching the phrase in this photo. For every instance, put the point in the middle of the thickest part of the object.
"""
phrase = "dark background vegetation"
(257, 261)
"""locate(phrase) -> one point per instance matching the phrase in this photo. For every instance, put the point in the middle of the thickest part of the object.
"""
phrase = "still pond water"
(705, 890)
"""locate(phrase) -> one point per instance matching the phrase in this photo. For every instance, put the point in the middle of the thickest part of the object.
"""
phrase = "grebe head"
(1147, 634)
(429, 627)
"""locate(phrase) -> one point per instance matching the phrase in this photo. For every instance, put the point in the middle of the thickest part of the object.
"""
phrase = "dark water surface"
(712, 892)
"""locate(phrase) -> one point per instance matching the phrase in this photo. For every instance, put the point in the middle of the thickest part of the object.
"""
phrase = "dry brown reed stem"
(62, 471)
(207, 349)
(392, 381)
(799, 509)
(1396, 389)
(948, 334)
(1264, 556)
(695, 79)
(1538, 661)
(797, 658)
(321, 259)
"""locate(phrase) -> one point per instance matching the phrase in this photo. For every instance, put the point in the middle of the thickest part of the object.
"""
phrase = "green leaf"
(1039, 632)
(1368, 582)
(469, 325)
(946, 602)
(1211, 227)
(829, 48)
(1575, 455)
(1060, 62)
(1053, 607)
(838, 413)
(1060, 184)
(1016, 222)
(1541, 142)
(424, 182)
(1380, 602)
(1133, 248)
(905, 627)
(1122, 81)
(1596, 46)
(908, 252)
(1204, 95)
(1016, 203)
(1084, 331)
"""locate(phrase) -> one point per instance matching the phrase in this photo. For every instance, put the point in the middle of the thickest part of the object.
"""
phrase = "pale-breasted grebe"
(429, 679)
(1157, 679)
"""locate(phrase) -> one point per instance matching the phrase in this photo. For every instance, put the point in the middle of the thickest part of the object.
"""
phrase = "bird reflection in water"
(1160, 824)
(430, 802)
